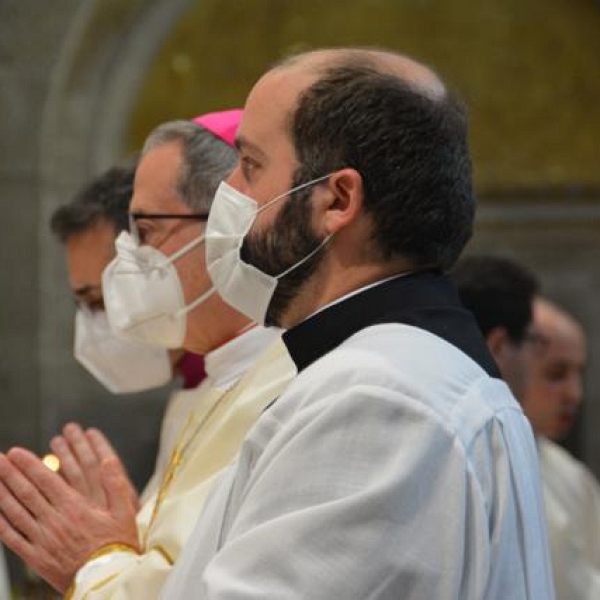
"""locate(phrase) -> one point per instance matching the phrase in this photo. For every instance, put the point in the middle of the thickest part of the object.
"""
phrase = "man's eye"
(555, 374)
(142, 233)
(248, 166)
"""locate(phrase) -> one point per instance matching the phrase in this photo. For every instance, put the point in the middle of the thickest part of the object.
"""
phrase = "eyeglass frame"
(133, 217)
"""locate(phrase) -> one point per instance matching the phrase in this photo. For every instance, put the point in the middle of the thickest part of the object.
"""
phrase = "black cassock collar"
(425, 299)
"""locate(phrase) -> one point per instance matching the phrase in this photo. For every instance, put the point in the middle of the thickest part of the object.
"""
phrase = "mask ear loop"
(181, 311)
(184, 250)
(294, 189)
(202, 298)
(165, 263)
(167, 260)
(307, 257)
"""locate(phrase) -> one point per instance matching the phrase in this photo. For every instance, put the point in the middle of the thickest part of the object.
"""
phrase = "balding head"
(420, 77)
(551, 322)
(554, 387)
(371, 156)
(390, 119)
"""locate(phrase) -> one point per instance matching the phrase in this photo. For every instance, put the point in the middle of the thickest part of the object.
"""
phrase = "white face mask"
(243, 286)
(143, 296)
(122, 367)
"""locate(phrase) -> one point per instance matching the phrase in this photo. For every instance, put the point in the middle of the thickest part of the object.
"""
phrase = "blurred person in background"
(541, 353)
(500, 293)
(88, 227)
(554, 390)
(552, 400)
(155, 291)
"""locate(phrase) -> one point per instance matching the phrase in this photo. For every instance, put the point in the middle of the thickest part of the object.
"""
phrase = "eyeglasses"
(134, 217)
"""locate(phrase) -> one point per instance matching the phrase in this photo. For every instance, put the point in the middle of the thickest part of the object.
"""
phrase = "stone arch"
(92, 88)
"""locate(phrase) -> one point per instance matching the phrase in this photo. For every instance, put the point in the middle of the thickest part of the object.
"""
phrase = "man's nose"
(574, 390)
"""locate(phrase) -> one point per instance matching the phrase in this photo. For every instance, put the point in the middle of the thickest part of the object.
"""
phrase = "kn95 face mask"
(143, 295)
(121, 366)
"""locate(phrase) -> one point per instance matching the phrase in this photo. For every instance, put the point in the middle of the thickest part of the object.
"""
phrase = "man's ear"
(344, 202)
(497, 339)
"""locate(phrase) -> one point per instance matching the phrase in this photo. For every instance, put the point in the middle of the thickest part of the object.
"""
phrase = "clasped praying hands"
(56, 522)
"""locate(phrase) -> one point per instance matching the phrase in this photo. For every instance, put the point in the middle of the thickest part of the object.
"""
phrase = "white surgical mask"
(243, 286)
(122, 367)
(143, 295)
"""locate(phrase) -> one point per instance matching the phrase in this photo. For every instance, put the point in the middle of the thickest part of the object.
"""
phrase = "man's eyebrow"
(241, 143)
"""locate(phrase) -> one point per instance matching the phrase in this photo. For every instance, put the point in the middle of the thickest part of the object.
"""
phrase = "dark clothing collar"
(425, 299)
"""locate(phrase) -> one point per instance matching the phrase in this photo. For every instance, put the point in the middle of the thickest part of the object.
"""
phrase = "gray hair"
(207, 160)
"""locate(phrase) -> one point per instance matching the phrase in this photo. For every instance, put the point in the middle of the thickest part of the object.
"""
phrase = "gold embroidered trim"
(70, 591)
(184, 441)
(163, 552)
(100, 584)
(177, 456)
(102, 551)
(108, 548)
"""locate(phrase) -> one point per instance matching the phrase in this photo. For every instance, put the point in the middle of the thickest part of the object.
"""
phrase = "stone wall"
(69, 70)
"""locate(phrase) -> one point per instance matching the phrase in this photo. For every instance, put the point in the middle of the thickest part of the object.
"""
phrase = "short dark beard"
(290, 239)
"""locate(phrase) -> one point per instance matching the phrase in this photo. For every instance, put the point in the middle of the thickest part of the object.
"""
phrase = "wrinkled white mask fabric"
(122, 367)
(243, 286)
(143, 296)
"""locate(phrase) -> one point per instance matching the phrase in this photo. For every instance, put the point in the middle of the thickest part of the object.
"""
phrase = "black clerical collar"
(424, 299)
